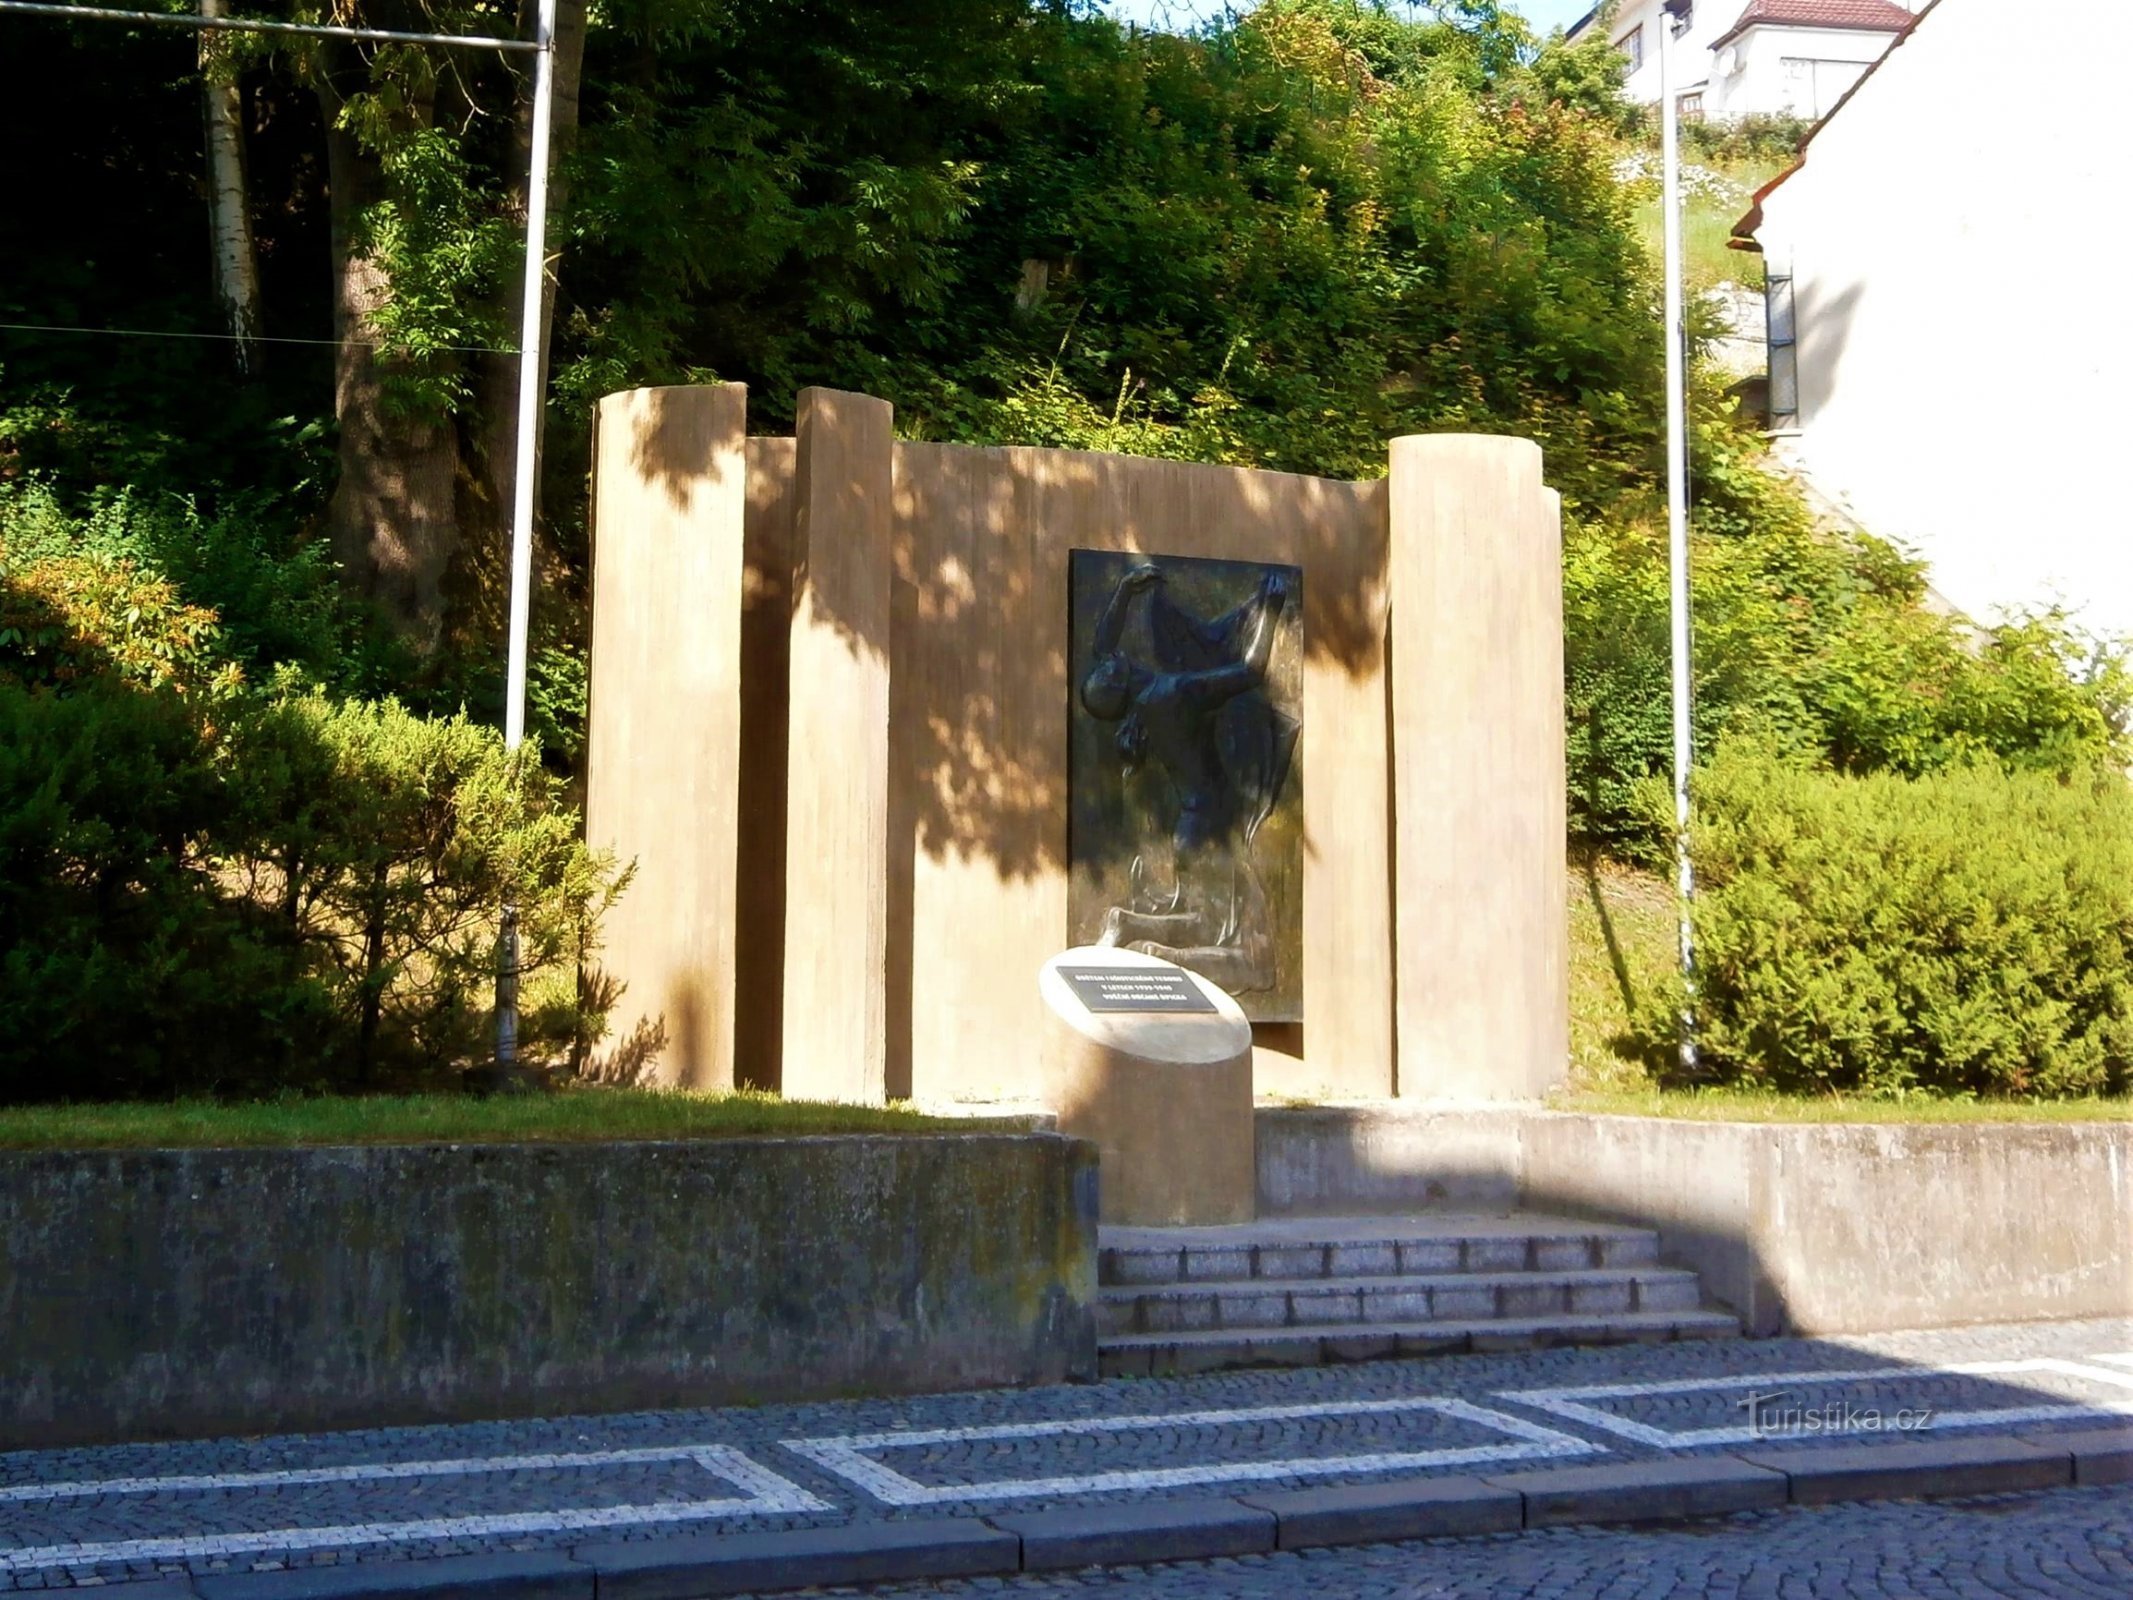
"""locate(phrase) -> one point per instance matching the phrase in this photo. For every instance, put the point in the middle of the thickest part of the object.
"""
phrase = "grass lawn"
(1622, 933)
(1749, 1105)
(1707, 218)
(576, 1115)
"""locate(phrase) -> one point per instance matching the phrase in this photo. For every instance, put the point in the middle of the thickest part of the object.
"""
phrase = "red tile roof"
(1744, 230)
(1872, 16)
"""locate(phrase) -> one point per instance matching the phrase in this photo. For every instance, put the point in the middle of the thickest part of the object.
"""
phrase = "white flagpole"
(525, 476)
(1677, 512)
(527, 471)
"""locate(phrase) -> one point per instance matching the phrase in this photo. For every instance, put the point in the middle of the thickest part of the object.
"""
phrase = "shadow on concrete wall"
(980, 680)
(669, 453)
(1816, 1227)
(1822, 325)
(984, 788)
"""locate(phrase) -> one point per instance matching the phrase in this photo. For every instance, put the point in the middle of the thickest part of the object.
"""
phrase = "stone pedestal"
(1166, 1096)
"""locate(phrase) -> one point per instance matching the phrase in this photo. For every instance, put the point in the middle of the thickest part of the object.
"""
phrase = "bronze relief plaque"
(1184, 768)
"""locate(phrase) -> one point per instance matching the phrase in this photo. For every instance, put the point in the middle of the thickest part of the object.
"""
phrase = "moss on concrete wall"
(163, 1293)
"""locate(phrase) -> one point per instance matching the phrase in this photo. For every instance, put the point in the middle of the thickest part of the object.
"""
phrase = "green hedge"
(1967, 932)
(218, 877)
(273, 892)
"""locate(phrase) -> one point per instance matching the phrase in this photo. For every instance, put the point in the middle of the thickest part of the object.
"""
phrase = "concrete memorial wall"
(191, 1293)
(860, 855)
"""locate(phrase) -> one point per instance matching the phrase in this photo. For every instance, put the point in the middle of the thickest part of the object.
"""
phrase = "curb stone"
(1129, 1533)
(500, 1575)
(1645, 1491)
(799, 1558)
(1383, 1513)
(1146, 1530)
(2101, 1455)
(1899, 1471)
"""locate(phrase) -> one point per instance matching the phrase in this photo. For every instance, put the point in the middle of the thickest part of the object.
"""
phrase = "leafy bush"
(131, 575)
(69, 619)
(1814, 644)
(282, 892)
(1762, 137)
(1968, 932)
(389, 843)
(125, 966)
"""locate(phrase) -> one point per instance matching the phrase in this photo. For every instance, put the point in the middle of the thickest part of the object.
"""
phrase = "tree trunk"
(371, 991)
(394, 518)
(229, 208)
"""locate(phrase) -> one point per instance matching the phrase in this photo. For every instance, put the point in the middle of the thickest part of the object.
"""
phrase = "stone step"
(1160, 1354)
(1262, 1303)
(1355, 1247)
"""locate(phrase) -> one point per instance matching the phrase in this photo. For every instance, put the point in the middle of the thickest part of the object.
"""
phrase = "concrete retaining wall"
(1808, 1228)
(1340, 1161)
(163, 1293)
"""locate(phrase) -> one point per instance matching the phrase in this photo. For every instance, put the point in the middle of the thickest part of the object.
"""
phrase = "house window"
(1631, 44)
(1691, 107)
(1812, 88)
(1783, 404)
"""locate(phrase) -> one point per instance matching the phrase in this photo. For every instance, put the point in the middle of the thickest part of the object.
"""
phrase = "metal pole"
(525, 475)
(1677, 514)
(530, 368)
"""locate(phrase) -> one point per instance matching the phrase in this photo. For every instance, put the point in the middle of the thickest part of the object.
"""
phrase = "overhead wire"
(231, 338)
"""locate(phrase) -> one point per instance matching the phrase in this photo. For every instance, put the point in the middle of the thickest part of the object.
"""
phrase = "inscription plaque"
(1135, 989)
(1185, 808)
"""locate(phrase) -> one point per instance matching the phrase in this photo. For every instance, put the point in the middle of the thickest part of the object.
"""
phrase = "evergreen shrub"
(272, 892)
(215, 885)
(1969, 932)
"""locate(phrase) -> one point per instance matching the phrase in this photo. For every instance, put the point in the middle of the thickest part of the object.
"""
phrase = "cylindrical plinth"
(1166, 1096)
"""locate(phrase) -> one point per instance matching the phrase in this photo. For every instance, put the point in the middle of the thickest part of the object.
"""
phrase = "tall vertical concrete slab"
(1479, 814)
(669, 494)
(835, 1033)
(843, 896)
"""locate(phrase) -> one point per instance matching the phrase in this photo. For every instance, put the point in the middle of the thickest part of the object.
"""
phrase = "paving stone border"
(1134, 1532)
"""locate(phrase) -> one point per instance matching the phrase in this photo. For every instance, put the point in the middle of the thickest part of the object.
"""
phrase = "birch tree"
(229, 206)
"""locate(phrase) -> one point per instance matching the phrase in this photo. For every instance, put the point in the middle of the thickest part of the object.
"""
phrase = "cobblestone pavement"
(2065, 1544)
(75, 1516)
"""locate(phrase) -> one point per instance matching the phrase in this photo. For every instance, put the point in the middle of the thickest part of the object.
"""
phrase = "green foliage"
(1762, 139)
(125, 967)
(1586, 76)
(1813, 644)
(147, 584)
(67, 620)
(390, 844)
(1277, 243)
(272, 892)
(437, 237)
(214, 879)
(1966, 933)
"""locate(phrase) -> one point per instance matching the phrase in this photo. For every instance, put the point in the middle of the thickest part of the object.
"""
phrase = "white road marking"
(847, 1456)
(2123, 1359)
(1567, 1403)
(763, 1492)
(359, 1472)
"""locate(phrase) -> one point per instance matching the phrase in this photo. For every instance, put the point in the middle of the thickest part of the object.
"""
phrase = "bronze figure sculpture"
(1199, 718)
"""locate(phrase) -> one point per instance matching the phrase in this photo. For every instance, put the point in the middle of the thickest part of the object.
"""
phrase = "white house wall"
(1751, 74)
(1753, 79)
(1692, 50)
(1961, 348)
